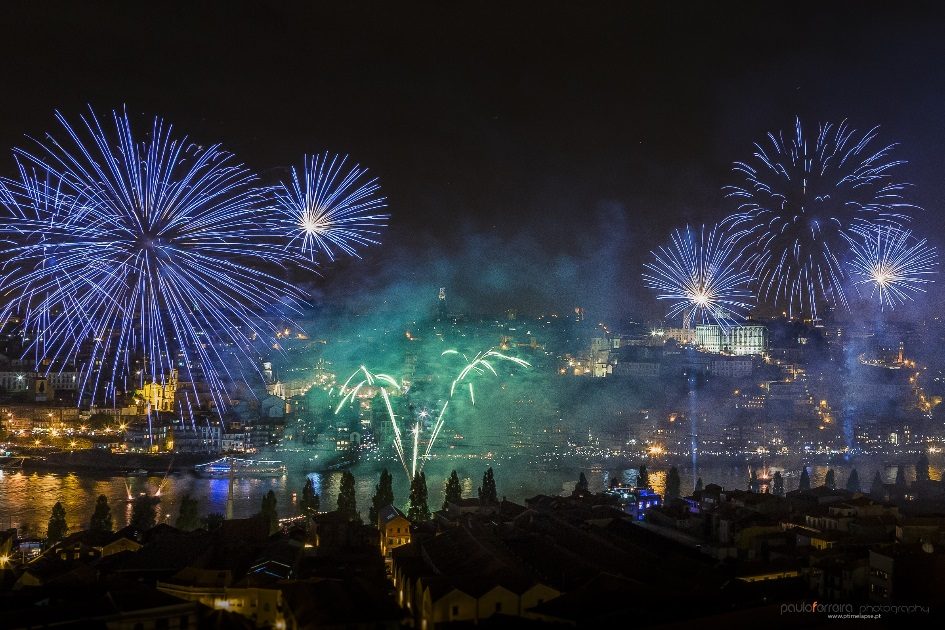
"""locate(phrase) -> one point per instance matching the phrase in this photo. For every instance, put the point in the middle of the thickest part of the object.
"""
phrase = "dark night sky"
(531, 156)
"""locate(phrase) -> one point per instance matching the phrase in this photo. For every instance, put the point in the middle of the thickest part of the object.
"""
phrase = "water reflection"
(26, 499)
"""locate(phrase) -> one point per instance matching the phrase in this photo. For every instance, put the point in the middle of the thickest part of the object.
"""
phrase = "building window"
(455, 610)
(498, 606)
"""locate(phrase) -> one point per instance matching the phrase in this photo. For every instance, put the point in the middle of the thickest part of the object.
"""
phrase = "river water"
(27, 498)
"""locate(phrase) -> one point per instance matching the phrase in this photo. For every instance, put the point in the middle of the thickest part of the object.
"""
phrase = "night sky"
(532, 156)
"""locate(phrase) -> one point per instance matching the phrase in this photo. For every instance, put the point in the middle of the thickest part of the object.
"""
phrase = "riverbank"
(106, 462)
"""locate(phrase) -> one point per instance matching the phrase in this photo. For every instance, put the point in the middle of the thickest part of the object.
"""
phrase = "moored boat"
(235, 467)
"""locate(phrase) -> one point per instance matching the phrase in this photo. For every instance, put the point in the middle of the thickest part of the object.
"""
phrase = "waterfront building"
(737, 340)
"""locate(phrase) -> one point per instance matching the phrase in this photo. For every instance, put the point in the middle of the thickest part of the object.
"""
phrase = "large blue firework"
(131, 258)
(891, 263)
(329, 209)
(800, 199)
(700, 275)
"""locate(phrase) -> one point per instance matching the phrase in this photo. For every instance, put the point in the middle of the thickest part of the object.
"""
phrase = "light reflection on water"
(27, 498)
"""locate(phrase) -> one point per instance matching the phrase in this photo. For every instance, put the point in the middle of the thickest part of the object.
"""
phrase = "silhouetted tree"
(213, 521)
(673, 484)
(878, 489)
(643, 477)
(188, 518)
(581, 487)
(418, 510)
(101, 520)
(699, 486)
(922, 468)
(347, 500)
(268, 511)
(383, 495)
(144, 512)
(453, 492)
(488, 494)
(57, 528)
(778, 483)
(753, 484)
(900, 477)
(853, 481)
(805, 480)
(310, 502)
(830, 480)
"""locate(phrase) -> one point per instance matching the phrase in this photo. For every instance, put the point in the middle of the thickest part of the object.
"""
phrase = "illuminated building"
(160, 396)
(635, 501)
(394, 529)
(737, 340)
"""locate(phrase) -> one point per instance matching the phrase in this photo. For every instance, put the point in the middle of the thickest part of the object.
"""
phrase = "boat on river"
(235, 467)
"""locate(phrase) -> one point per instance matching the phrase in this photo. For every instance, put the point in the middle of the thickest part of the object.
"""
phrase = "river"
(27, 498)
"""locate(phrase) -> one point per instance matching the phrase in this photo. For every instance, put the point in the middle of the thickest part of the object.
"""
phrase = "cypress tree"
(699, 486)
(643, 477)
(922, 468)
(57, 527)
(900, 477)
(831, 479)
(268, 511)
(347, 499)
(805, 480)
(101, 520)
(853, 482)
(418, 510)
(673, 484)
(488, 494)
(144, 512)
(778, 483)
(877, 489)
(383, 495)
(310, 502)
(453, 491)
(581, 487)
(188, 518)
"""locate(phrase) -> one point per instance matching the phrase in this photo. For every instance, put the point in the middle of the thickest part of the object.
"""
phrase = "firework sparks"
(122, 250)
(327, 209)
(892, 263)
(800, 200)
(699, 274)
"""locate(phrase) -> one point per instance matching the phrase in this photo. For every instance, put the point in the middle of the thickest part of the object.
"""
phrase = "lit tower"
(441, 305)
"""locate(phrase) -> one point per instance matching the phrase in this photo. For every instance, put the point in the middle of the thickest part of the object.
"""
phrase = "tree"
(383, 495)
(487, 491)
(57, 527)
(453, 492)
(900, 477)
(347, 501)
(268, 511)
(188, 519)
(643, 477)
(673, 484)
(831, 479)
(581, 487)
(805, 480)
(922, 468)
(418, 510)
(101, 520)
(878, 489)
(213, 521)
(753, 484)
(699, 486)
(144, 512)
(310, 502)
(778, 484)
(853, 481)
